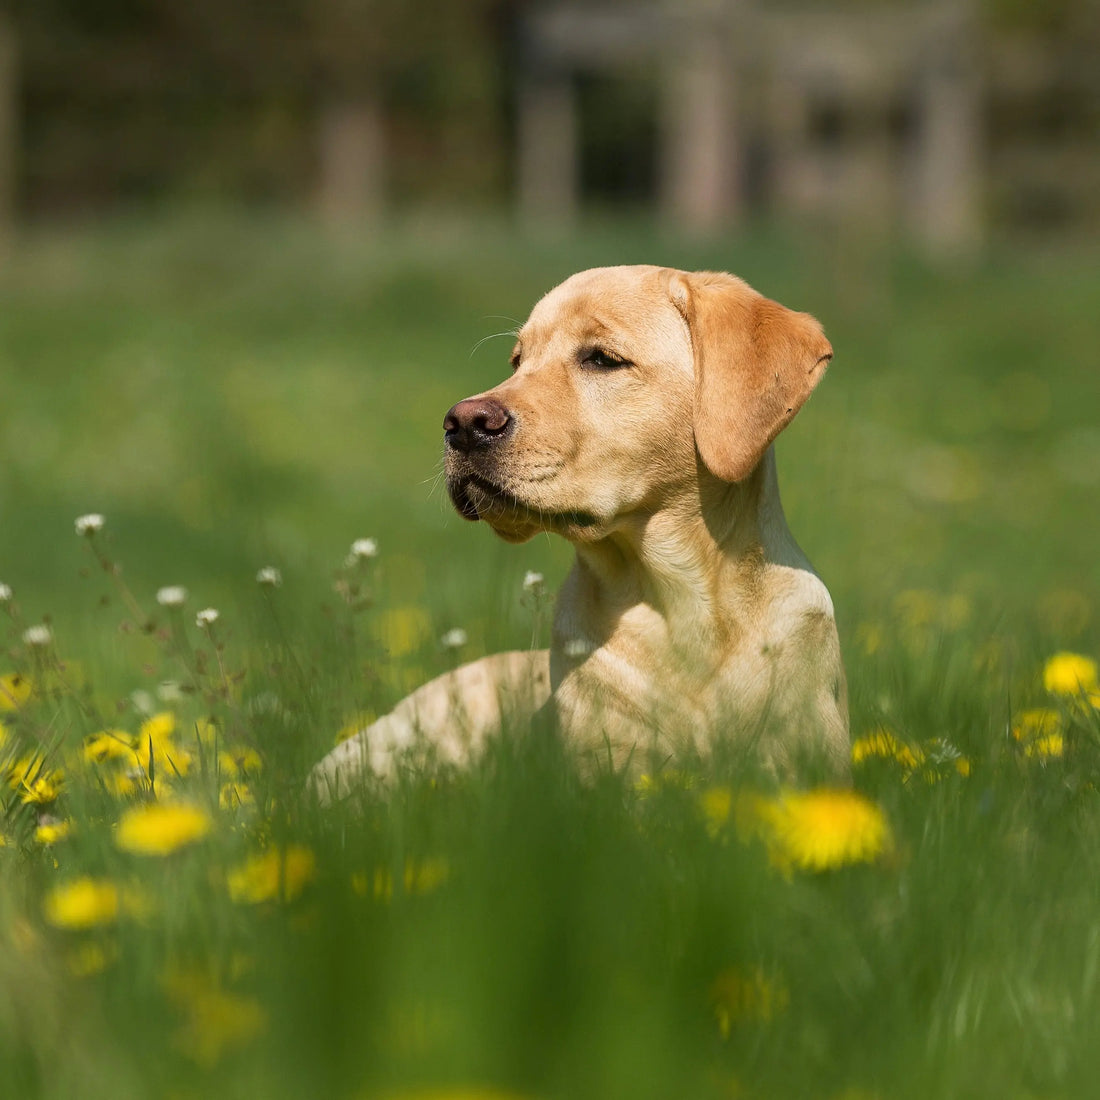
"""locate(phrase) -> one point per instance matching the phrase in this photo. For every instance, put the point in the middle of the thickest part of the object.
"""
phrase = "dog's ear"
(756, 362)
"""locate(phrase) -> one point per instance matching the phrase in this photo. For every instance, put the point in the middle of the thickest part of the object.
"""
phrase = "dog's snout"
(476, 423)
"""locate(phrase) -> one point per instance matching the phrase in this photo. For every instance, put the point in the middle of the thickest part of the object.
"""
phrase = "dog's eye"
(603, 360)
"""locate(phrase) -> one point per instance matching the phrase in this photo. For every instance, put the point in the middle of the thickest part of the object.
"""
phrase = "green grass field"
(238, 393)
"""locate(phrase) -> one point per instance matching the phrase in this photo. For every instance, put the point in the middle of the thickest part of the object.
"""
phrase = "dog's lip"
(501, 498)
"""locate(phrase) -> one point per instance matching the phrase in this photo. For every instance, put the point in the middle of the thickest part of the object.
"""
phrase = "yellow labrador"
(638, 424)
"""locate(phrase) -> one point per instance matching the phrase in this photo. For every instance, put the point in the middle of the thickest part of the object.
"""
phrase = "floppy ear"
(756, 362)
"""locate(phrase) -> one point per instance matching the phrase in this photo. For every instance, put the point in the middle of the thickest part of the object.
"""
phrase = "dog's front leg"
(449, 718)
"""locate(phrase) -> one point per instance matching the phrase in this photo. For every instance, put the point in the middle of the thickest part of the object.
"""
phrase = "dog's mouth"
(476, 497)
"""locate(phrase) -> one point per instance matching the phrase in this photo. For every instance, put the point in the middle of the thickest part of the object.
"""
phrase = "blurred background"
(252, 253)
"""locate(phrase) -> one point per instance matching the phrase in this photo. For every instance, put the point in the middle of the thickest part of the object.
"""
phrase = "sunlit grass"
(272, 568)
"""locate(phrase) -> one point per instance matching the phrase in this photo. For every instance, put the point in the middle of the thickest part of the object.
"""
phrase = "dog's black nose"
(476, 423)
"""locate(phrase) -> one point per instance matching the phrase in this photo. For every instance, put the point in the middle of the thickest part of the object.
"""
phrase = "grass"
(235, 393)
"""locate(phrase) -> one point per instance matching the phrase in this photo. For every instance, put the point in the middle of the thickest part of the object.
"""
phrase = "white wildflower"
(39, 635)
(362, 549)
(5, 593)
(577, 648)
(206, 618)
(533, 582)
(269, 577)
(169, 691)
(143, 702)
(88, 525)
(454, 639)
(173, 595)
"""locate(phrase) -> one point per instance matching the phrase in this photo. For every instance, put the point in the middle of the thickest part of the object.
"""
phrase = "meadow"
(244, 401)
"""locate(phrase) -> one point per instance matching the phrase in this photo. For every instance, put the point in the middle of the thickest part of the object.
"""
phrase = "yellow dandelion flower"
(716, 804)
(239, 760)
(1038, 722)
(159, 829)
(157, 736)
(274, 874)
(234, 796)
(822, 829)
(15, 690)
(1045, 747)
(98, 748)
(1070, 674)
(51, 832)
(746, 997)
(83, 903)
(34, 781)
(882, 743)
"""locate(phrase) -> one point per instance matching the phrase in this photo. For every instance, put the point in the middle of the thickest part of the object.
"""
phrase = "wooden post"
(947, 155)
(351, 160)
(9, 136)
(699, 147)
(547, 149)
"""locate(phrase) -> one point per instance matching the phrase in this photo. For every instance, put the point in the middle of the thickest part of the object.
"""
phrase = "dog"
(638, 423)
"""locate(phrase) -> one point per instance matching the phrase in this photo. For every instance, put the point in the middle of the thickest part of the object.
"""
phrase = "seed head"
(269, 577)
(5, 593)
(206, 618)
(362, 549)
(533, 582)
(88, 525)
(454, 639)
(39, 635)
(174, 595)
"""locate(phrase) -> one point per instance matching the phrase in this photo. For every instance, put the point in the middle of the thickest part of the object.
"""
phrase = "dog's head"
(621, 378)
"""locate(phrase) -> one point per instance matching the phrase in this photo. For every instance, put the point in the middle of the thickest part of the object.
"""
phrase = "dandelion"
(5, 593)
(577, 648)
(206, 618)
(98, 748)
(235, 796)
(160, 829)
(363, 550)
(1070, 674)
(882, 743)
(269, 577)
(83, 903)
(38, 636)
(15, 690)
(89, 525)
(156, 739)
(1035, 723)
(454, 639)
(51, 831)
(274, 874)
(822, 829)
(533, 582)
(35, 782)
(169, 691)
(239, 760)
(173, 595)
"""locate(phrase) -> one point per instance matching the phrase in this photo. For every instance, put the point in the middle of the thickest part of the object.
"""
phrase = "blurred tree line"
(345, 101)
(127, 99)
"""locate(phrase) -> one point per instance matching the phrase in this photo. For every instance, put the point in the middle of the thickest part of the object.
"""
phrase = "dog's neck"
(679, 563)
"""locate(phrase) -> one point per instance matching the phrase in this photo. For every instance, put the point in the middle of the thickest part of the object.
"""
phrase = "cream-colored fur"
(640, 417)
